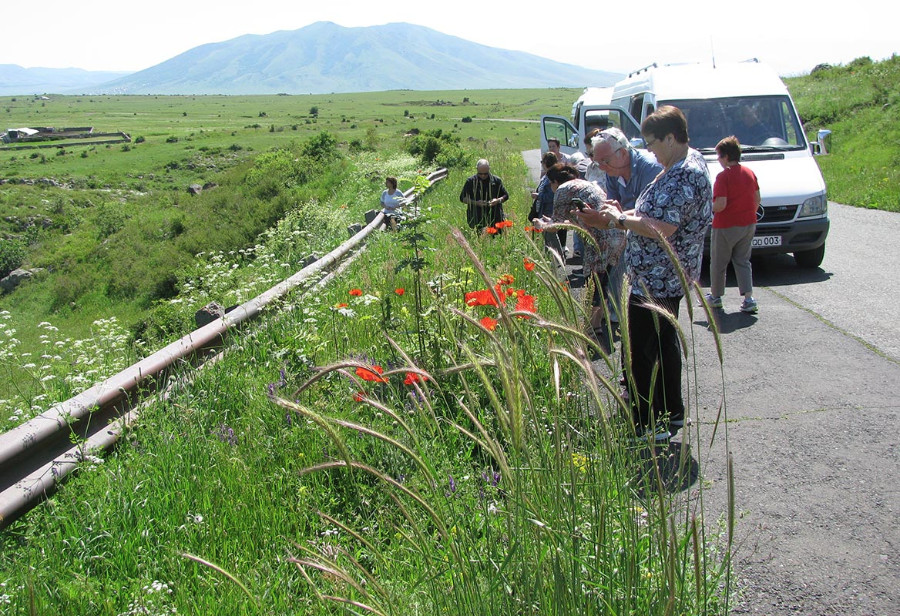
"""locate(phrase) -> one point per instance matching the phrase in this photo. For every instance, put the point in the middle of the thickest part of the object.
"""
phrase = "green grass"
(499, 485)
(116, 232)
(859, 103)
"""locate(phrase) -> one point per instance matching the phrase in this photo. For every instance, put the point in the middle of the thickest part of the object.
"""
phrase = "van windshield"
(761, 123)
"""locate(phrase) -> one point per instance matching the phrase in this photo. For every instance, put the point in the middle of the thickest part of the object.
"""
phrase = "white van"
(747, 100)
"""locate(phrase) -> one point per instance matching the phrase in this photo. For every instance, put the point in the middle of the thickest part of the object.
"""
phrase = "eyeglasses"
(607, 160)
(647, 144)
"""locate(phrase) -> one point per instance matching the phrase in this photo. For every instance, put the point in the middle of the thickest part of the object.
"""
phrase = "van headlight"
(814, 206)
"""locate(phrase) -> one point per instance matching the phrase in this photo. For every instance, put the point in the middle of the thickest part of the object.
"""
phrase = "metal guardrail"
(36, 455)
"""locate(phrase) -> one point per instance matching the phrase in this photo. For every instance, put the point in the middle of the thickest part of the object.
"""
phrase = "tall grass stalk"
(577, 522)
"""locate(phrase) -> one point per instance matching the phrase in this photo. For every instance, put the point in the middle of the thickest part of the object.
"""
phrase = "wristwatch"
(622, 219)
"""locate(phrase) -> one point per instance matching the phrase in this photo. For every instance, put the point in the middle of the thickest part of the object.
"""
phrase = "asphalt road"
(812, 424)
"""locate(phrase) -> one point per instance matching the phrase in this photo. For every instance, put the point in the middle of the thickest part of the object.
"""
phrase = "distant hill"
(325, 57)
(15, 79)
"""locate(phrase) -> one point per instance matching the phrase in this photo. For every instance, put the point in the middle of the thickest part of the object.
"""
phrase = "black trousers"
(655, 346)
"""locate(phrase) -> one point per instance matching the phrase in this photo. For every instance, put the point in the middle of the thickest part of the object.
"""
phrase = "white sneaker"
(749, 306)
(714, 301)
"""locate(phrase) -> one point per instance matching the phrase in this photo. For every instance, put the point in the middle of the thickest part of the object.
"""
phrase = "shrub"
(109, 220)
(321, 146)
(12, 255)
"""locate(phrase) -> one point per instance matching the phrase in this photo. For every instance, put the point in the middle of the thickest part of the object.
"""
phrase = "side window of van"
(560, 130)
(637, 102)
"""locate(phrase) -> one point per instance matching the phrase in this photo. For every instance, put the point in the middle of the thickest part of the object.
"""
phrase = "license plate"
(764, 241)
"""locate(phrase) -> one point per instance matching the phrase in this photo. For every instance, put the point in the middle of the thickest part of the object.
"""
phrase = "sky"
(792, 36)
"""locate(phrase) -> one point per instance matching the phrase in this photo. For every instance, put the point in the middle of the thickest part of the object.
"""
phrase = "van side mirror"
(822, 143)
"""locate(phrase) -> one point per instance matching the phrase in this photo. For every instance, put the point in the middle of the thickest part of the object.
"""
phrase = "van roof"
(689, 81)
(595, 96)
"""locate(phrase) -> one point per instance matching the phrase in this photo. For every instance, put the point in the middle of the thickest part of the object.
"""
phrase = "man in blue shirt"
(628, 172)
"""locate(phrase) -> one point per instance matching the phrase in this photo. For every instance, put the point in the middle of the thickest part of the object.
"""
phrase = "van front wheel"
(810, 258)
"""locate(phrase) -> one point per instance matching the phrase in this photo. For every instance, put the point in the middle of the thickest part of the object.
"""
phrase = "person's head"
(549, 159)
(390, 183)
(589, 139)
(665, 132)
(553, 145)
(665, 121)
(612, 151)
(560, 173)
(729, 150)
(483, 169)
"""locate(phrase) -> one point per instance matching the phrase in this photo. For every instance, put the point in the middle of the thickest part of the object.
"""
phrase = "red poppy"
(506, 279)
(414, 377)
(529, 264)
(490, 230)
(373, 375)
(488, 323)
(339, 306)
(399, 291)
(510, 291)
(520, 292)
(525, 303)
(359, 396)
(480, 298)
(533, 229)
(355, 292)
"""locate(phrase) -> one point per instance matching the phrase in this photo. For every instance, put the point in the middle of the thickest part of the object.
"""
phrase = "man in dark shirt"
(483, 194)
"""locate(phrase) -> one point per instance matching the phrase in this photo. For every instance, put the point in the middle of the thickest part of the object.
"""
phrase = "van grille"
(778, 213)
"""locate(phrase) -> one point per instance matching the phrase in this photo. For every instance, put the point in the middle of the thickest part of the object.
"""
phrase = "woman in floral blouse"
(676, 208)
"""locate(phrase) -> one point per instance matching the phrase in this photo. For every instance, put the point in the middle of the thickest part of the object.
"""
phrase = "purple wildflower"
(226, 434)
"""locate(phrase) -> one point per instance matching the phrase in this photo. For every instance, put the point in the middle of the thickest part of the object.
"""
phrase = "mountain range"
(321, 58)
(17, 80)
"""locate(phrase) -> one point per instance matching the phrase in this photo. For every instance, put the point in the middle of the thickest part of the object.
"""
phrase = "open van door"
(560, 128)
(590, 117)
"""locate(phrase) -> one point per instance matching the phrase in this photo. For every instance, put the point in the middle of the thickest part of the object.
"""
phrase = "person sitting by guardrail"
(483, 194)
(391, 202)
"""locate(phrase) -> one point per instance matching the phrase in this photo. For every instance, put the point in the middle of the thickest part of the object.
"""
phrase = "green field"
(115, 232)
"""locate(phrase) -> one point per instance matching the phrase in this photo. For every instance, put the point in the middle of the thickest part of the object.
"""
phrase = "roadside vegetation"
(860, 103)
(399, 441)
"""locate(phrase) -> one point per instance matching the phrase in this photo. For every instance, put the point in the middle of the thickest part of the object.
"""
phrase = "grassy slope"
(192, 140)
(860, 104)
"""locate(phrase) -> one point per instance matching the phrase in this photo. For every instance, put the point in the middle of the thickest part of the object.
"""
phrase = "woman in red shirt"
(735, 201)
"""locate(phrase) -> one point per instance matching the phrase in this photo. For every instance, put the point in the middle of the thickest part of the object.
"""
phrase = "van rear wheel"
(810, 258)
